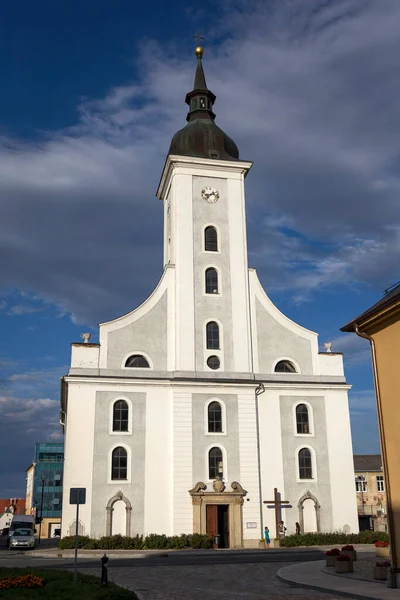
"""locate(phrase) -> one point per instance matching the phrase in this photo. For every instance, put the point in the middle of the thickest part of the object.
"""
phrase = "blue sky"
(92, 93)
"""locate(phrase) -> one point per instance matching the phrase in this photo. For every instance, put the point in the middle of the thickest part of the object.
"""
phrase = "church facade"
(197, 404)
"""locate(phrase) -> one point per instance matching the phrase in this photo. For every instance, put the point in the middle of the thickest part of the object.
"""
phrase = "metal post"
(76, 540)
(41, 511)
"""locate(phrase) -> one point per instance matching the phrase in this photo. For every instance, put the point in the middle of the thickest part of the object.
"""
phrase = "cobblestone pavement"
(211, 582)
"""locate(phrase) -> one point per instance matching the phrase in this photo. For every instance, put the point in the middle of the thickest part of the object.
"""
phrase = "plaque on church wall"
(251, 525)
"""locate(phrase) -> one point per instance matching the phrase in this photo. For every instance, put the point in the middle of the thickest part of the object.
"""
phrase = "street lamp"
(41, 508)
(361, 480)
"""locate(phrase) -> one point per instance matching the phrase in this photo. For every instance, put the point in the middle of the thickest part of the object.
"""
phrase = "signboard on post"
(77, 496)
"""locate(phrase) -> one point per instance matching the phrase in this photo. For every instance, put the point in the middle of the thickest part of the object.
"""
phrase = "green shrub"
(335, 538)
(68, 542)
(153, 541)
(198, 540)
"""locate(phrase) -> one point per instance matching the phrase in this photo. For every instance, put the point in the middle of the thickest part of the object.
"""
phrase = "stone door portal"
(219, 512)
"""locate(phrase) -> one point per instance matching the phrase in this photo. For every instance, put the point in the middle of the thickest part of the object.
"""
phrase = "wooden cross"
(198, 37)
(277, 503)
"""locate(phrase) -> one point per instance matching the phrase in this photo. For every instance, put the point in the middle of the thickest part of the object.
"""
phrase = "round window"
(213, 362)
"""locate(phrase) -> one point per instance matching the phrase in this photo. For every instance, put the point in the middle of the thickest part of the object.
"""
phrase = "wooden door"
(212, 519)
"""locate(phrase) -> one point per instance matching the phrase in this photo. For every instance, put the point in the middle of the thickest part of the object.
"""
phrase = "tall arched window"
(215, 463)
(137, 361)
(305, 464)
(214, 417)
(119, 466)
(120, 416)
(211, 281)
(285, 366)
(210, 239)
(212, 334)
(302, 420)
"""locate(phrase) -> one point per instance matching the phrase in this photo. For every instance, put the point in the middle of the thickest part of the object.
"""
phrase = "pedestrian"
(281, 529)
(266, 535)
(298, 530)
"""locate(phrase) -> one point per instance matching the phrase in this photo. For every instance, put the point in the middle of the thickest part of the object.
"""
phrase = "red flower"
(343, 557)
(381, 544)
(348, 547)
(333, 552)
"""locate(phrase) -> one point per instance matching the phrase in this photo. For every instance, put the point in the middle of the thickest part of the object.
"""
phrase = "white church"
(193, 407)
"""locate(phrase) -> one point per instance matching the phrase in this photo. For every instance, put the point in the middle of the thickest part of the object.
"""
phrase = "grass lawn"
(59, 585)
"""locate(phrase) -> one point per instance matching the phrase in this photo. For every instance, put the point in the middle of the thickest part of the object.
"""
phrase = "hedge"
(153, 541)
(328, 539)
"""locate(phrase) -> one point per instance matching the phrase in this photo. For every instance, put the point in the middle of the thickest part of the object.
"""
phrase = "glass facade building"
(48, 479)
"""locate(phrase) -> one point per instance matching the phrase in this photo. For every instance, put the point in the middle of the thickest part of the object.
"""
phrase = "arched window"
(211, 281)
(212, 334)
(215, 463)
(120, 415)
(214, 417)
(285, 366)
(302, 420)
(119, 466)
(210, 239)
(305, 464)
(138, 361)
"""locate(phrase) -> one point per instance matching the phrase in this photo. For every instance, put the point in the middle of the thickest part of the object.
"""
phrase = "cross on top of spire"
(198, 37)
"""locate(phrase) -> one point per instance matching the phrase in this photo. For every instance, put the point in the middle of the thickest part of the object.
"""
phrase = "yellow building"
(370, 490)
(380, 324)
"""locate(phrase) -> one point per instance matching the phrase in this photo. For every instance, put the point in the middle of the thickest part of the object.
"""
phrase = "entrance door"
(217, 519)
(223, 525)
(212, 519)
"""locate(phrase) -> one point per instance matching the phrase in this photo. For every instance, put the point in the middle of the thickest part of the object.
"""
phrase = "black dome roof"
(204, 139)
(201, 137)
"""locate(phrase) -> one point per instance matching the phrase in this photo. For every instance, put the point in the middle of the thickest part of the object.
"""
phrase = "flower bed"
(380, 570)
(21, 581)
(331, 556)
(382, 548)
(344, 564)
(349, 550)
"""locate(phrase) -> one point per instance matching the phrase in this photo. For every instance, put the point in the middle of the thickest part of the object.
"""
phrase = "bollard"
(104, 574)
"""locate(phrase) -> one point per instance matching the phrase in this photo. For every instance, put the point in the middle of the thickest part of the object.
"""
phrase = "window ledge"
(217, 433)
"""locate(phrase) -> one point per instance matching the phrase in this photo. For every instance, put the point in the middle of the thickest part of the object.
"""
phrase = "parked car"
(22, 538)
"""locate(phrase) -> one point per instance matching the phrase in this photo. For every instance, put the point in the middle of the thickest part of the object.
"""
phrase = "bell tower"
(202, 187)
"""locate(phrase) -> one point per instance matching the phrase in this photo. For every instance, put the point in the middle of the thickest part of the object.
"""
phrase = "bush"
(330, 539)
(381, 544)
(348, 547)
(198, 540)
(153, 541)
(333, 552)
(68, 542)
(343, 558)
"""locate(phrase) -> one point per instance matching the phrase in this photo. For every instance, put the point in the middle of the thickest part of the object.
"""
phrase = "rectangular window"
(361, 485)
(380, 483)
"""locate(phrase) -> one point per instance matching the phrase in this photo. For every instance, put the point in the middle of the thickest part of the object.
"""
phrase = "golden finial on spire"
(199, 51)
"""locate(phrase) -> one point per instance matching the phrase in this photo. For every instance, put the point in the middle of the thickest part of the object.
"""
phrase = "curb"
(89, 554)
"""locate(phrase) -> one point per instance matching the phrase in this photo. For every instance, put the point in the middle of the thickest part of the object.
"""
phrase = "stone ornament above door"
(219, 488)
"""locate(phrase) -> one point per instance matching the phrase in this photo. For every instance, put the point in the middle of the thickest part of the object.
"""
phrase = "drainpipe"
(260, 389)
(393, 569)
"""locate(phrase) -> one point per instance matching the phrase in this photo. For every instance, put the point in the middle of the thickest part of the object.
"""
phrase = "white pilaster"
(248, 452)
(182, 463)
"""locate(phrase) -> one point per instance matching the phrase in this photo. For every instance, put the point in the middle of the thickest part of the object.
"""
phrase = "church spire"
(200, 99)
(201, 137)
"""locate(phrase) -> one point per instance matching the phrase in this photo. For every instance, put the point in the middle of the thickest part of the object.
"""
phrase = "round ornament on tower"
(210, 194)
